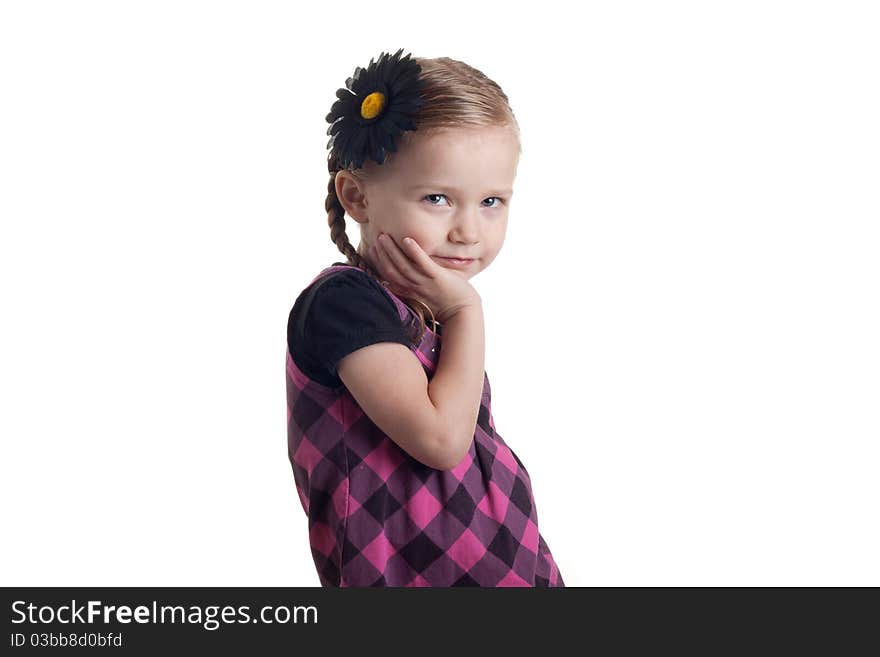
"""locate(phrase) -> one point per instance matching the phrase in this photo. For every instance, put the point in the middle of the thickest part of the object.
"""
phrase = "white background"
(682, 327)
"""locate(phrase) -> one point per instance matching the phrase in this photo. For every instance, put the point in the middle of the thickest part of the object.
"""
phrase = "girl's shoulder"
(349, 281)
(336, 314)
(345, 289)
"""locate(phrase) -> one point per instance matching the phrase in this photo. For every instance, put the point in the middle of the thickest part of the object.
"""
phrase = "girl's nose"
(466, 227)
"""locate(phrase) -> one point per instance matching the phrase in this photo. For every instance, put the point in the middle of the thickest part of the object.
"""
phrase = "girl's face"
(449, 190)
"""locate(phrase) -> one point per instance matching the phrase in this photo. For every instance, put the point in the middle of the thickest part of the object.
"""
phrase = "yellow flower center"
(372, 105)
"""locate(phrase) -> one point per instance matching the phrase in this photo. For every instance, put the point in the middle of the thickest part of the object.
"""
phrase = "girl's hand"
(411, 272)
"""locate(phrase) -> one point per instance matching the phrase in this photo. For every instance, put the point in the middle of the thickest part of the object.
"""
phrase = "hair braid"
(336, 221)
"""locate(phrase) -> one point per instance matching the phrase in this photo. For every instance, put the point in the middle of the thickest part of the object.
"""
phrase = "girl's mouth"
(459, 263)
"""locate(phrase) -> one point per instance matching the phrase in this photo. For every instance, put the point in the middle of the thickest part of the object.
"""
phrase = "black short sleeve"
(336, 316)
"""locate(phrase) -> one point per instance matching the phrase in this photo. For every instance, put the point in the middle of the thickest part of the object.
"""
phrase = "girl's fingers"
(390, 275)
(398, 258)
(415, 253)
(416, 256)
(387, 267)
(382, 261)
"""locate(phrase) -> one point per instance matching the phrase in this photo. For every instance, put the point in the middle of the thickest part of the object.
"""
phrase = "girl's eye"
(500, 200)
(430, 195)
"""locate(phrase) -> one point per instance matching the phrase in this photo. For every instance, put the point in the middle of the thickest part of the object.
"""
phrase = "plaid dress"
(378, 517)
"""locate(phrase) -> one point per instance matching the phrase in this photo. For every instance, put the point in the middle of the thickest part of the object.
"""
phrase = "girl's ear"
(350, 191)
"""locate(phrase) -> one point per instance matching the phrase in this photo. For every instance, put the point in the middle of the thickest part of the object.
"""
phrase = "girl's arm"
(457, 385)
(433, 421)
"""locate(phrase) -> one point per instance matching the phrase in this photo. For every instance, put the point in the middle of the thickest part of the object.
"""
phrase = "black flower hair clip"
(374, 108)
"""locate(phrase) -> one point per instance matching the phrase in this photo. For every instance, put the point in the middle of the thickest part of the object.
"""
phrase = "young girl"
(396, 459)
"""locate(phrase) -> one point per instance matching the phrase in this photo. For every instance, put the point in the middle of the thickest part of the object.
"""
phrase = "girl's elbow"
(450, 453)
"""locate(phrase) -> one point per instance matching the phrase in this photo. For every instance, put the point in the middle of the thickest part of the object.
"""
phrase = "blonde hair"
(456, 95)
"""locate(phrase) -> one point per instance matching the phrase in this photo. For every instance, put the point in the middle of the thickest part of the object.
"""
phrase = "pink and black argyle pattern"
(378, 517)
